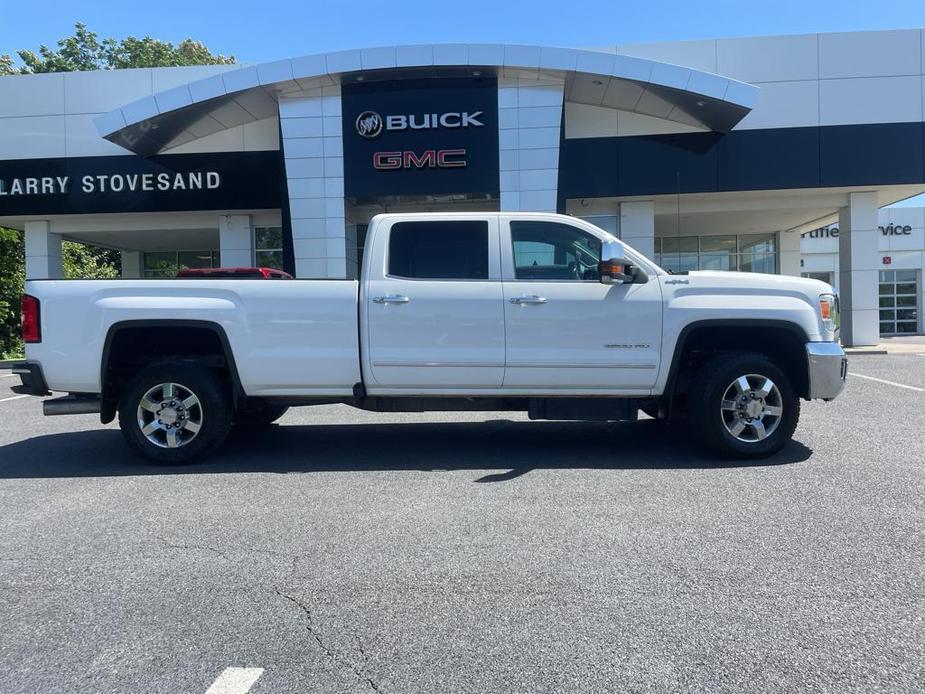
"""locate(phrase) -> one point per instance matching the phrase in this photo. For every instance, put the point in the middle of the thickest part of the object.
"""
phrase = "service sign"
(421, 137)
(169, 182)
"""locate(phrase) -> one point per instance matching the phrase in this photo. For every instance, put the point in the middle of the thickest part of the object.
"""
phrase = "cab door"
(434, 306)
(564, 329)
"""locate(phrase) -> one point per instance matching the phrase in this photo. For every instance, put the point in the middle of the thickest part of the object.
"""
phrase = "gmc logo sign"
(420, 135)
(428, 159)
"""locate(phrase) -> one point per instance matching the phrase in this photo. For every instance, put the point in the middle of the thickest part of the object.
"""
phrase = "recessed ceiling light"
(360, 78)
(476, 73)
(701, 103)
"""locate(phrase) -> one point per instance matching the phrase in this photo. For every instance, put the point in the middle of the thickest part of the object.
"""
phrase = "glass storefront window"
(761, 244)
(757, 253)
(758, 262)
(718, 252)
(748, 253)
(718, 244)
(168, 263)
(679, 244)
(194, 259)
(679, 253)
(715, 261)
(160, 264)
(268, 247)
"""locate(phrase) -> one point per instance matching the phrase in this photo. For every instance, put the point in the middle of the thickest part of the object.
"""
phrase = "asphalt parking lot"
(348, 552)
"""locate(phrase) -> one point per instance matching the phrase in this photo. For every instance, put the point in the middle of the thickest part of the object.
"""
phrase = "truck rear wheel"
(743, 406)
(173, 413)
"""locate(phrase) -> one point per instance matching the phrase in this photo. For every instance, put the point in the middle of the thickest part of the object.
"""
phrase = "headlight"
(828, 311)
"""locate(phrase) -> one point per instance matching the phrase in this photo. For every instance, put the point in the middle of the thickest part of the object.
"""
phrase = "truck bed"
(287, 338)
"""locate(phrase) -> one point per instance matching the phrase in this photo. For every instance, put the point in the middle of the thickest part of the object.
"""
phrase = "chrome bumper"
(828, 369)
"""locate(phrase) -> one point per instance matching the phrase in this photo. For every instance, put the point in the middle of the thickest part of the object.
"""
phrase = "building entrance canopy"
(182, 114)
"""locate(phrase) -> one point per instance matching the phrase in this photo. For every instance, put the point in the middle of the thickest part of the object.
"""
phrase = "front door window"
(552, 251)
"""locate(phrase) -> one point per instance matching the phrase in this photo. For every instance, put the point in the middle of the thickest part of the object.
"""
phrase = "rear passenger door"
(434, 307)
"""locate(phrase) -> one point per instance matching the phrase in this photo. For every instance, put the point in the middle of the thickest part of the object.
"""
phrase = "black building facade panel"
(882, 153)
(769, 159)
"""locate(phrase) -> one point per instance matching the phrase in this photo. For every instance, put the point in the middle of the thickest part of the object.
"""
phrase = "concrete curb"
(8, 363)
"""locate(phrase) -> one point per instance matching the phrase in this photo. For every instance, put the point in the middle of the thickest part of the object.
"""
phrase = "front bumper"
(828, 369)
(32, 379)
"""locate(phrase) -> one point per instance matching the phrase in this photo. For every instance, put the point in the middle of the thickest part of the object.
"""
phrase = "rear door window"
(439, 250)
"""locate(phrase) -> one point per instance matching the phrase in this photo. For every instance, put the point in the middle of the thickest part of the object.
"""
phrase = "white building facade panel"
(314, 172)
(530, 119)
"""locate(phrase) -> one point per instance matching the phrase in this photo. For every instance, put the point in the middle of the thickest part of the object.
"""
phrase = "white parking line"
(889, 383)
(15, 397)
(235, 680)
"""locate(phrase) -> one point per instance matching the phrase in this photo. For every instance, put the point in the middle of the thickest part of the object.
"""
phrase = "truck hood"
(712, 295)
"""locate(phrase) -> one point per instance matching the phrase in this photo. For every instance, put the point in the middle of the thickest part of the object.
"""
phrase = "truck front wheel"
(173, 413)
(743, 406)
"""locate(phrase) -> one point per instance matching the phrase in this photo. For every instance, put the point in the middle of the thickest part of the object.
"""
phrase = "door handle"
(391, 299)
(532, 299)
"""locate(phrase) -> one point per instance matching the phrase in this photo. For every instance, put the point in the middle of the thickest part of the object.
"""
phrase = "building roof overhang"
(175, 116)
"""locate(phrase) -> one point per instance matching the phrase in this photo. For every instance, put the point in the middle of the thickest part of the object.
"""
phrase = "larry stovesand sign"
(115, 183)
(225, 180)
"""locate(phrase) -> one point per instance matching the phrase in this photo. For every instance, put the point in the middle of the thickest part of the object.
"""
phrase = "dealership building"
(768, 154)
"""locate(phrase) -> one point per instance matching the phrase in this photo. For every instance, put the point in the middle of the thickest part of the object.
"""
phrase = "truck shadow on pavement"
(516, 447)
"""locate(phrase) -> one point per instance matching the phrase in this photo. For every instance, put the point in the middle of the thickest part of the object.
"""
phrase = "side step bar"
(71, 404)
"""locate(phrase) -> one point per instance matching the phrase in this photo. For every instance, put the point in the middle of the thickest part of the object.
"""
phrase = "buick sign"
(425, 136)
(369, 125)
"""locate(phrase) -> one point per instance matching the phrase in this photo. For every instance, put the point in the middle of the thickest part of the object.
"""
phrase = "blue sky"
(259, 30)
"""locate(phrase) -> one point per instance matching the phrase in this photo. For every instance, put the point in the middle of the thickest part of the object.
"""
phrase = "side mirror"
(613, 268)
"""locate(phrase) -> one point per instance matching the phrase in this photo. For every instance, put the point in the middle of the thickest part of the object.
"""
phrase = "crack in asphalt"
(314, 633)
(358, 671)
(293, 559)
(201, 548)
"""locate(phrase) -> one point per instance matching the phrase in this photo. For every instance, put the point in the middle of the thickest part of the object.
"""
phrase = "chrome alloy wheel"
(752, 408)
(170, 415)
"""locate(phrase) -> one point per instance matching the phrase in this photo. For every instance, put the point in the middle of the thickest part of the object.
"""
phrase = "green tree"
(148, 52)
(82, 51)
(6, 65)
(86, 51)
(79, 261)
(12, 275)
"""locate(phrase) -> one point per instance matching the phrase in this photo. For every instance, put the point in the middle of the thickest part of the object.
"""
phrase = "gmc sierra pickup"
(541, 313)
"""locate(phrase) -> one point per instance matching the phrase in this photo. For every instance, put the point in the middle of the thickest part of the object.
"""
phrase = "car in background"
(237, 273)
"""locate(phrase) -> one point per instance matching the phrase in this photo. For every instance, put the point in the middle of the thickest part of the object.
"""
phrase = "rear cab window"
(439, 250)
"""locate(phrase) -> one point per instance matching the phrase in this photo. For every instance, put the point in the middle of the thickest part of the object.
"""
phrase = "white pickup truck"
(541, 313)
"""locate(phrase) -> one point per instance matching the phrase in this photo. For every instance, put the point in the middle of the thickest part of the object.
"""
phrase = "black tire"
(258, 417)
(213, 411)
(708, 417)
